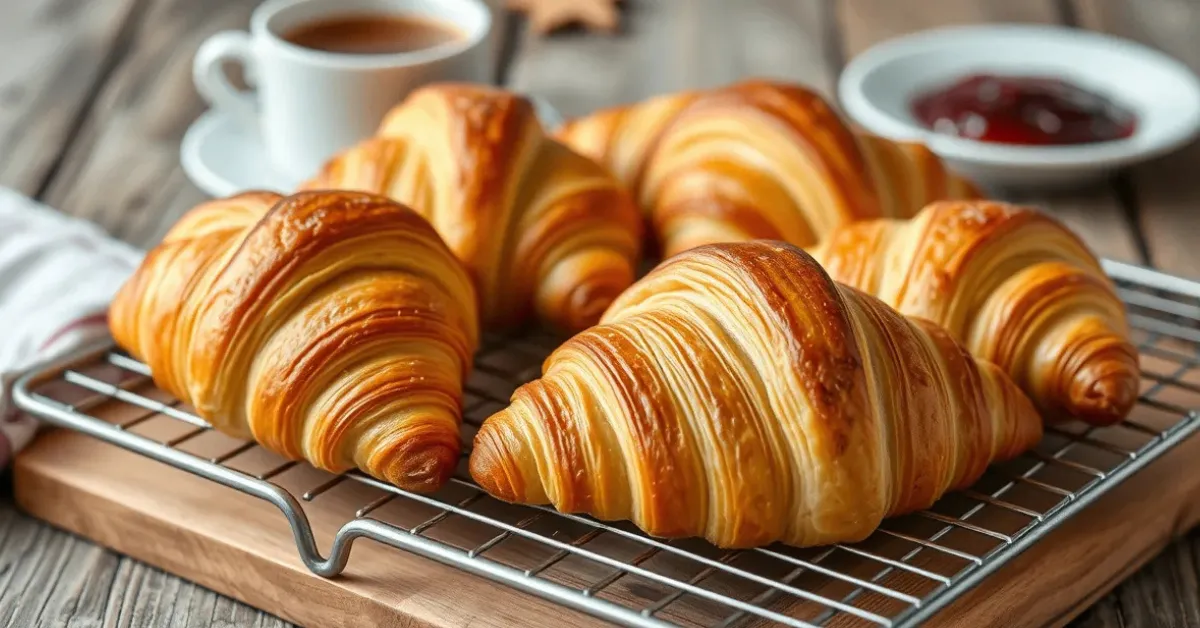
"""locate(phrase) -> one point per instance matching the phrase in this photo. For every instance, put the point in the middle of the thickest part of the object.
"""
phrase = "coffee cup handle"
(208, 73)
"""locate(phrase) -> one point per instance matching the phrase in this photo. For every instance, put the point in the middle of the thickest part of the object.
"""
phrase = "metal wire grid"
(911, 568)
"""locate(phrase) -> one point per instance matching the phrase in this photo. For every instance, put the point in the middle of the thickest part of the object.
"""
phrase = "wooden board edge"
(63, 478)
(129, 532)
(1115, 535)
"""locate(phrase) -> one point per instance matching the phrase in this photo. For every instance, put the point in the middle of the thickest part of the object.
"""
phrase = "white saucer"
(222, 158)
(878, 85)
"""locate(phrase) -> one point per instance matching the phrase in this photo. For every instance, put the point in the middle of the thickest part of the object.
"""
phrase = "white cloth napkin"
(57, 276)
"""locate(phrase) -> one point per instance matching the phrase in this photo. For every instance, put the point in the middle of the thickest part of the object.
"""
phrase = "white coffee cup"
(309, 104)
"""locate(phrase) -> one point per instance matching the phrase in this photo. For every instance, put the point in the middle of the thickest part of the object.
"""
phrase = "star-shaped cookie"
(546, 16)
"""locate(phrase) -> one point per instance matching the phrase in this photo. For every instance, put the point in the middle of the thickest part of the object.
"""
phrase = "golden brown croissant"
(537, 225)
(738, 394)
(331, 327)
(756, 159)
(1013, 285)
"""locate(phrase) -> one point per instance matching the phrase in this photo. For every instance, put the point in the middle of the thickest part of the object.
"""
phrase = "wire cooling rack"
(908, 570)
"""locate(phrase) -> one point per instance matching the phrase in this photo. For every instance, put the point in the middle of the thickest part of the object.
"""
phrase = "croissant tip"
(422, 469)
(582, 288)
(487, 467)
(1105, 400)
(1105, 385)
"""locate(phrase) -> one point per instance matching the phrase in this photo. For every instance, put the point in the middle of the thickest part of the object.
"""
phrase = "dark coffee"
(373, 34)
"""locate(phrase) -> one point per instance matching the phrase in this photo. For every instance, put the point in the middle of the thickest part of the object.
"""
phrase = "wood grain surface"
(57, 56)
(122, 166)
(671, 46)
(1164, 196)
(95, 95)
(52, 578)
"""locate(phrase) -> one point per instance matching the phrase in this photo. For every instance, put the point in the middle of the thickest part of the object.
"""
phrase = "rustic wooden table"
(95, 95)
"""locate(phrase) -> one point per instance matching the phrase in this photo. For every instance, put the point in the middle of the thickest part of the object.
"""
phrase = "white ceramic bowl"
(877, 87)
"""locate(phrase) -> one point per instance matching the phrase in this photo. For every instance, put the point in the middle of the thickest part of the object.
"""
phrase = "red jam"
(1038, 111)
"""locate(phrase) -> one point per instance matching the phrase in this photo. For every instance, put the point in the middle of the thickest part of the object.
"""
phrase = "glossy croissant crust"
(331, 327)
(538, 226)
(756, 159)
(1012, 284)
(738, 394)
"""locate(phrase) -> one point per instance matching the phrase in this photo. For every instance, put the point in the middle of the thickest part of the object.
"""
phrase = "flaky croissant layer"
(1011, 283)
(736, 393)
(540, 228)
(756, 159)
(331, 327)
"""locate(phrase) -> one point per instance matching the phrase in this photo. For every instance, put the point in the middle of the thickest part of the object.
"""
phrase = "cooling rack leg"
(64, 416)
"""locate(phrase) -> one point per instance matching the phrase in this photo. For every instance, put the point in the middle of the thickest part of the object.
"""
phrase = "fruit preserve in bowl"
(1025, 110)
(1023, 105)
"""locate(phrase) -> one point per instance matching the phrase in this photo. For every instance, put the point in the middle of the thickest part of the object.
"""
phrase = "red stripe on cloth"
(99, 318)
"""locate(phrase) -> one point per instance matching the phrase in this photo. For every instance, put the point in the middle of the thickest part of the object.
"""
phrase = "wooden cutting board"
(242, 547)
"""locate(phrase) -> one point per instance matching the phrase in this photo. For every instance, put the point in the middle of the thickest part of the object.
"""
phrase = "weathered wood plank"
(1164, 593)
(122, 169)
(88, 588)
(54, 579)
(55, 54)
(868, 22)
(668, 46)
(1104, 614)
(1097, 214)
(144, 597)
(1165, 189)
(43, 570)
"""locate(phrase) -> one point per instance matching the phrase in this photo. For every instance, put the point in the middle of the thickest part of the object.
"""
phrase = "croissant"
(331, 327)
(538, 226)
(1013, 285)
(756, 159)
(738, 394)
